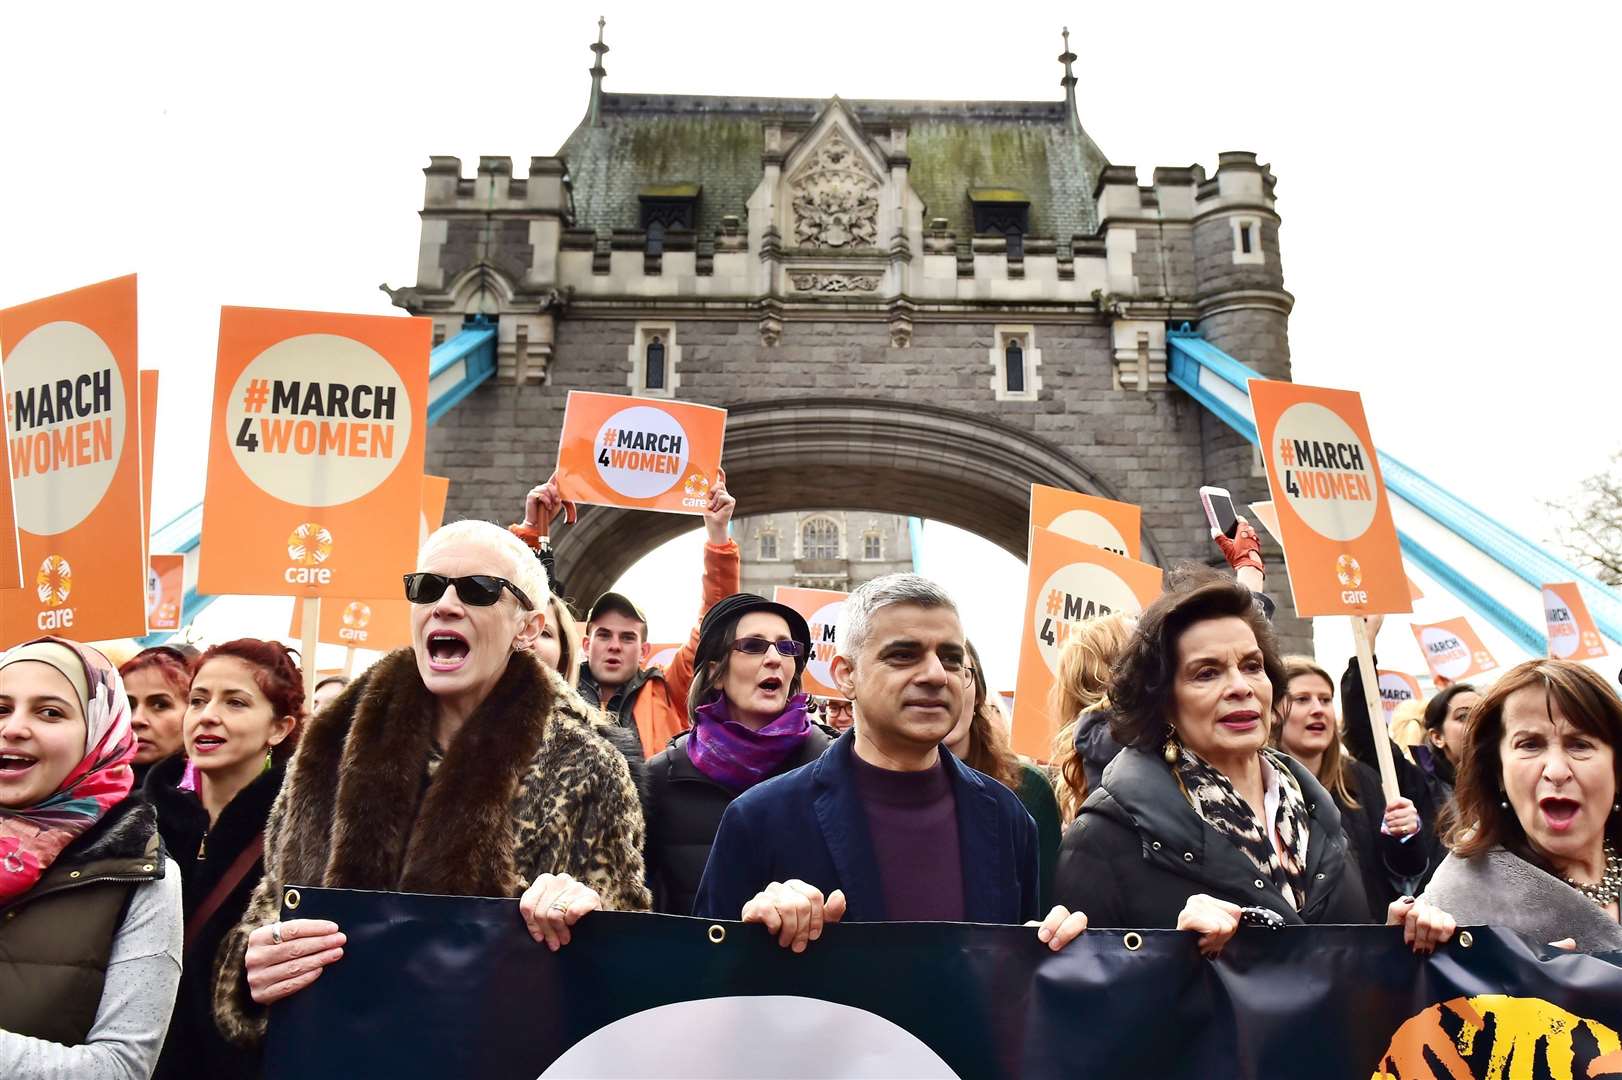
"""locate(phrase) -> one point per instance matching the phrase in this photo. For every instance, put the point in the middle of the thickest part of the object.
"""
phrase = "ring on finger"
(276, 932)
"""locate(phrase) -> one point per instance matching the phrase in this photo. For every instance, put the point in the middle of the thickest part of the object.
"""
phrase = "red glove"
(1245, 549)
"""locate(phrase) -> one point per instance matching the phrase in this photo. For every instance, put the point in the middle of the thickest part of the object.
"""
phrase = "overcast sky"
(1444, 172)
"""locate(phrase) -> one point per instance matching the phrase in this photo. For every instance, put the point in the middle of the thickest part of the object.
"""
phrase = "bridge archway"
(838, 454)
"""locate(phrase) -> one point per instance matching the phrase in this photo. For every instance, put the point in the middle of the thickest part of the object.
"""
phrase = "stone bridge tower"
(910, 307)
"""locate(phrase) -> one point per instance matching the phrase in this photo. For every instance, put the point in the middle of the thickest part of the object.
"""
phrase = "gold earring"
(1172, 751)
(268, 760)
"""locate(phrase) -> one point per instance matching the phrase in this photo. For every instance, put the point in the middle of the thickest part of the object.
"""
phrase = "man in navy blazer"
(884, 826)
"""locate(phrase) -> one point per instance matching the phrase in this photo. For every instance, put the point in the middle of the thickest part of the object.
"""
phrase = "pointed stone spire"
(1069, 81)
(597, 73)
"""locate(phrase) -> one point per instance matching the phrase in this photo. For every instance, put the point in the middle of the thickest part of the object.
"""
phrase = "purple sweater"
(912, 820)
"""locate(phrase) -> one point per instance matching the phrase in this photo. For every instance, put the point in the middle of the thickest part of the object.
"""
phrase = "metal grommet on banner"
(290, 899)
(718, 933)
(1133, 941)
(1465, 939)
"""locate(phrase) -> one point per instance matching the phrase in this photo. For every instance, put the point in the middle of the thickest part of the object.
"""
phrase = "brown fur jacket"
(530, 785)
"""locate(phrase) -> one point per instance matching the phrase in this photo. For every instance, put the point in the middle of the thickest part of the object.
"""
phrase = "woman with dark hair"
(980, 741)
(1198, 818)
(1536, 821)
(749, 724)
(1392, 850)
(242, 715)
(156, 681)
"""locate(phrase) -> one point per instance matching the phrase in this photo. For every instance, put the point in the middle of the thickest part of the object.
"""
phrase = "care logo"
(65, 414)
(357, 616)
(642, 453)
(54, 581)
(1070, 596)
(1327, 473)
(306, 438)
(696, 487)
(1495, 1035)
(309, 546)
(1348, 572)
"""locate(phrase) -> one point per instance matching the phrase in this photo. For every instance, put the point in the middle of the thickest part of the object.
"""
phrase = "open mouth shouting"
(1559, 813)
(14, 765)
(447, 650)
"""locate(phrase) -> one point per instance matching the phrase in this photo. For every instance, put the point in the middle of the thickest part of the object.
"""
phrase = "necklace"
(1609, 887)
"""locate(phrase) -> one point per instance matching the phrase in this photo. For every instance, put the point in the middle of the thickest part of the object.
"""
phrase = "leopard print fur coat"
(532, 784)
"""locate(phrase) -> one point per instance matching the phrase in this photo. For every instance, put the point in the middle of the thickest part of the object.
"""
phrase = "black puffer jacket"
(684, 812)
(1137, 851)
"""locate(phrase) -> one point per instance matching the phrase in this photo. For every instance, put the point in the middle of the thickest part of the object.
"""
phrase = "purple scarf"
(737, 758)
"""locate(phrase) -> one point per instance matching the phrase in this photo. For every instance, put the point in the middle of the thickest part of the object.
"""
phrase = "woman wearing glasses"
(462, 766)
(749, 724)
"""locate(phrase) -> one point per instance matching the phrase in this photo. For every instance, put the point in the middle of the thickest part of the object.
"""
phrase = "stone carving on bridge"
(835, 198)
(835, 283)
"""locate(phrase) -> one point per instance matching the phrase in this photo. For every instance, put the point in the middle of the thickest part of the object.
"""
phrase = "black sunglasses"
(757, 646)
(477, 590)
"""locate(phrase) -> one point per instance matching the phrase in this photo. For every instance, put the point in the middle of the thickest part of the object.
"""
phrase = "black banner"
(452, 986)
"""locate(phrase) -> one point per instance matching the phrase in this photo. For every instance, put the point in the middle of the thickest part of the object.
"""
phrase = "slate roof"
(648, 139)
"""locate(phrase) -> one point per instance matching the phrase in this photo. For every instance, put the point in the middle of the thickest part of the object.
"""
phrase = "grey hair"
(871, 596)
(511, 558)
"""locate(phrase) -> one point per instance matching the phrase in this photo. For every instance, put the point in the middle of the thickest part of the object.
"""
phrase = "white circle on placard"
(66, 417)
(1320, 489)
(826, 618)
(1071, 595)
(1564, 637)
(1394, 690)
(653, 460)
(769, 1036)
(306, 458)
(1090, 528)
(1448, 656)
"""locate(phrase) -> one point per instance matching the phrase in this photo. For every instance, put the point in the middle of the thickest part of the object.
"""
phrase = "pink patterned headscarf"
(31, 837)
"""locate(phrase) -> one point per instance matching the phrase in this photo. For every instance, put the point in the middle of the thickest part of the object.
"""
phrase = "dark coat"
(1137, 851)
(684, 811)
(1389, 867)
(194, 1046)
(56, 938)
(810, 824)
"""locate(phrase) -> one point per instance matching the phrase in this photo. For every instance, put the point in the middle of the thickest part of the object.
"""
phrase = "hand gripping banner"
(455, 986)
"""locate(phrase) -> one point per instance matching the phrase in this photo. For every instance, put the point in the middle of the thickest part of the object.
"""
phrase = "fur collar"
(1503, 889)
(360, 813)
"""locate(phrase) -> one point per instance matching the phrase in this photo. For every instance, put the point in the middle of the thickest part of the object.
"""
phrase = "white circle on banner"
(1070, 596)
(66, 416)
(645, 451)
(1449, 657)
(824, 631)
(1327, 493)
(771, 1036)
(1394, 690)
(1090, 528)
(318, 420)
(1564, 637)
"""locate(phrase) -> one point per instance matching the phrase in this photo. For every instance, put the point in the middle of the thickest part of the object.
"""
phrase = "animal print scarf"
(1222, 807)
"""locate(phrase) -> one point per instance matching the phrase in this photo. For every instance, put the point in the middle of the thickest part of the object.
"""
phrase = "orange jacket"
(660, 710)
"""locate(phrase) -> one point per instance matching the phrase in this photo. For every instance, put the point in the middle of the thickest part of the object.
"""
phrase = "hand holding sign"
(718, 512)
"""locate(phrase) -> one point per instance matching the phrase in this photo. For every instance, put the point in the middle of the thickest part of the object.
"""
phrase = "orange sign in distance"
(1453, 650)
(1114, 526)
(660, 654)
(1396, 687)
(165, 592)
(72, 415)
(1572, 633)
(1069, 582)
(1333, 514)
(640, 453)
(315, 454)
(149, 441)
(822, 609)
(376, 624)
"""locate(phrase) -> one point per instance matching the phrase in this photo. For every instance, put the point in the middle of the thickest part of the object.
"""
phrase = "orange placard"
(1333, 514)
(381, 624)
(149, 441)
(1069, 583)
(640, 453)
(1114, 526)
(11, 572)
(661, 654)
(72, 415)
(1572, 633)
(822, 608)
(165, 592)
(1453, 650)
(315, 454)
(1269, 518)
(1396, 687)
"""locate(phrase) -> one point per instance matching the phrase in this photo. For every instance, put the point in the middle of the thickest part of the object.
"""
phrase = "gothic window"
(1014, 367)
(654, 371)
(819, 539)
(1016, 364)
(1245, 239)
(665, 207)
(768, 547)
(656, 238)
(872, 547)
(1003, 212)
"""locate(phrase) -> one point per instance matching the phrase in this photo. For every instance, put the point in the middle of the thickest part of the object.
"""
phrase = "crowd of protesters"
(151, 815)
